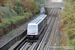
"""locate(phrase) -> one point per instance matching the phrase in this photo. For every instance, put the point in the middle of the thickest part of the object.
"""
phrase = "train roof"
(38, 19)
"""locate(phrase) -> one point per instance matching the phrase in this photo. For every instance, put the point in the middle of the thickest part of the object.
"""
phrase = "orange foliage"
(0, 20)
(28, 4)
(2, 2)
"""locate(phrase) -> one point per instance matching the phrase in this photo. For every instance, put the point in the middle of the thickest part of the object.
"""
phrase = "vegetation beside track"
(67, 25)
(13, 11)
(39, 2)
(7, 21)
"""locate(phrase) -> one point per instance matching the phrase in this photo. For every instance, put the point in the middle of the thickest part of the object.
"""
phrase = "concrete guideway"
(53, 41)
(44, 45)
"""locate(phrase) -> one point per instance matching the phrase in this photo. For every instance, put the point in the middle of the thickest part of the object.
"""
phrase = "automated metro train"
(36, 26)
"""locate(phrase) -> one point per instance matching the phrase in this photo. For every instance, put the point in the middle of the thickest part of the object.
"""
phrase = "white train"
(36, 26)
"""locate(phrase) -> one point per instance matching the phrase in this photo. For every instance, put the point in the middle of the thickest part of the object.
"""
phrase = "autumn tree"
(2, 2)
(0, 17)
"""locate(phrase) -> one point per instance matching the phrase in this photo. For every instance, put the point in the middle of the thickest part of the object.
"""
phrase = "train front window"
(31, 29)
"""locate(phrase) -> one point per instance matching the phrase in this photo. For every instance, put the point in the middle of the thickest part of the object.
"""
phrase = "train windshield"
(32, 29)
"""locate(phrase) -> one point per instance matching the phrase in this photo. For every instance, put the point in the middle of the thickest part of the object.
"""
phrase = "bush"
(7, 13)
(34, 8)
(30, 6)
(68, 16)
(7, 21)
(0, 20)
(18, 3)
(19, 10)
(26, 9)
(27, 15)
(39, 2)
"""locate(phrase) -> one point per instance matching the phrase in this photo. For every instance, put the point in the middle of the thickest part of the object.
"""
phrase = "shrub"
(7, 13)
(30, 5)
(26, 9)
(34, 8)
(0, 20)
(27, 15)
(18, 3)
(39, 2)
(19, 10)
(68, 16)
(7, 21)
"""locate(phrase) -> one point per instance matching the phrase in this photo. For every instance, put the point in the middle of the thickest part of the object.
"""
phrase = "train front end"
(32, 31)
